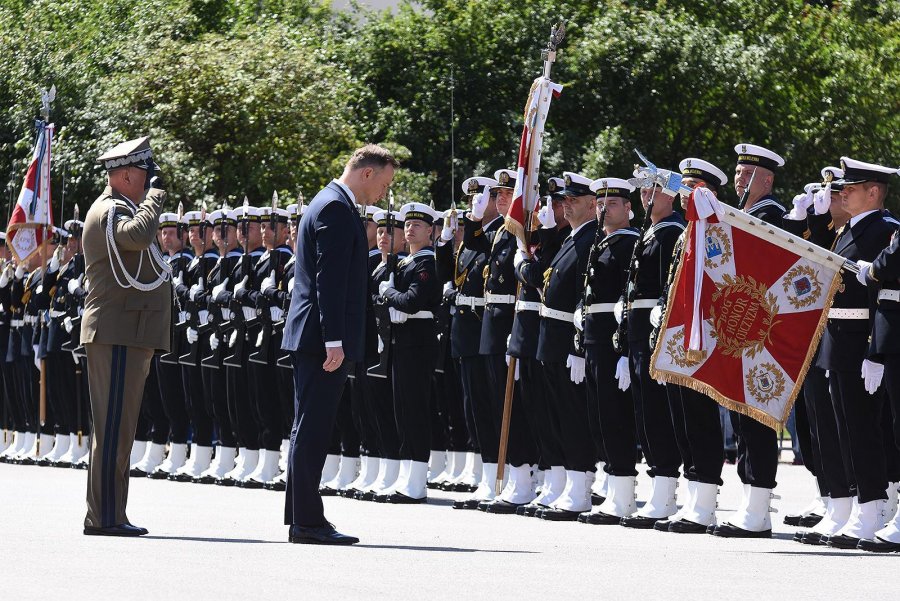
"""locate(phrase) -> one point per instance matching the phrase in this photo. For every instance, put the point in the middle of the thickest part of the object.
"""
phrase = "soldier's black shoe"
(711, 529)
(158, 475)
(842, 541)
(181, 478)
(62, 464)
(803, 521)
(559, 515)
(731, 531)
(277, 486)
(528, 510)
(809, 538)
(599, 519)
(878, 546)
(226, 482)
(639, 521)
(43, 462)
(466, 504)
(118, 530)
(327, 492)
(322, 535)
(686, 527)
(347, 493)
(502, 507)
(253, 484)
(204, 480)
(136, 473)
(398, 498)
(484, 505)
(434, 485)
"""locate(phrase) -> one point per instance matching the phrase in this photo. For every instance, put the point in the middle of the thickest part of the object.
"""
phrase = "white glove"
(872, 373)
(519, 258)
(656, 316)
(380, 344)
(20, 271)
(227, 315)
(623, 374)
(68, 325)
(268, 283)
(203, 316)
(397, 316)
(74, 286)
(801, 203)
(232, 339)
(249, 313)
(191, 335)
(241, 285)
(290, 286)
(576, 368)
(480, 203)
(451, 223)
(4, 278)
(276, 313)
(863, 275)
(53, 265)
(619, 311)
(213, 342)
(446, 234)
(448, 286)
(178, 280)
(546, 218)
(219, 289)
(195, 290)
(382, 288)
(37, 360)
(516, 374)
(578, 320)
(822, 200)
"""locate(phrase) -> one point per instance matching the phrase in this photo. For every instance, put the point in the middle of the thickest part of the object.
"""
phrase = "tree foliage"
(249, 96)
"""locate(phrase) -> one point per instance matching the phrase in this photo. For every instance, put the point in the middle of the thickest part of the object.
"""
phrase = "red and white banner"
(747, 308)
(33, 211)
(527, 180)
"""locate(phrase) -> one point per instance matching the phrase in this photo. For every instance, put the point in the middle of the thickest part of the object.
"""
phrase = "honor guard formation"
(451, 299)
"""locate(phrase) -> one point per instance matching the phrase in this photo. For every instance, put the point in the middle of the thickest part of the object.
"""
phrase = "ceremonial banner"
(527, 182)
(25, 231)
(743, 320)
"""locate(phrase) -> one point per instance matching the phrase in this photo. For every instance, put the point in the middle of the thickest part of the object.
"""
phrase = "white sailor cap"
(555, 187)
(251, 215)
(370, 212)
(276, 215)
(292, 211)
(611, 186)
(75, 226)
(506, 178)
(576, 184)
(474, 185)
(136, 153)
(418, 210)
(857, 172)
(194, 218)
(60, 233)
(222, 217)
(751, 154)
(449, 213)
(700, 169)
(165, 220)
(385, 218)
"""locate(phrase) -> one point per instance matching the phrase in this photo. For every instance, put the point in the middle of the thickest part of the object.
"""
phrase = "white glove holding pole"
(451, 222)
(656, 316)
(213, 342)
(194, 291)
(479, 205)
(203, 316)
(546, 218)
(619, 311)
(380, 344)
(290, 286)
(219, 290)
(53, 264)
(4, 278)
(268, 283)
(872, 373)
(384, 286)
(74, 285)
(242, 285)
(178, 280)
(822, 200)
(863, 275)
(519, 258)
(576, 368)
(578, 319)
(191, 335)
(68, 325)
(516, 374)
(20, 271)
(623, 374)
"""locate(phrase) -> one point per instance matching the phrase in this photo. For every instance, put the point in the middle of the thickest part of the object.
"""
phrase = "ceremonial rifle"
(192, 357)
(746, 195)
(381, 309)
(214, 323)
(261, 355)
(587, 296)
(238, 324)
(285, 360)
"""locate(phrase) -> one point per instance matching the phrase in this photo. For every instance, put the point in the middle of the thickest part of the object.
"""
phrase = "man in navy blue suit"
(325, 330)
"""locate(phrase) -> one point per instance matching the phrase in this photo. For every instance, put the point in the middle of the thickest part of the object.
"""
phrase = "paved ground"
(209, 542)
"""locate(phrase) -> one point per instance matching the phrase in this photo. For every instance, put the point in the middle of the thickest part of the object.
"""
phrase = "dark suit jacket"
(328, 302)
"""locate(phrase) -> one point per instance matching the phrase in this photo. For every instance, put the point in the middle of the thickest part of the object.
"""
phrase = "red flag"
(529, 162)
(33, 211)
(748, 306)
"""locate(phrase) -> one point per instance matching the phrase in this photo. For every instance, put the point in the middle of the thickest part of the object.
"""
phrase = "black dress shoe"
(711, 529)
(434, 485)
(731, 531)
(466, 504)
(327, 492)
(638, 521)
(204, 480)
(810, 538)
(842, 541)
(225, 482)
(368, 495)
(601, 519)
(253, 484)
(158, 475)
(181, 478)
(528, 510)
(686, 527)
(63, 464)
(43, 462)
(559, 515)
(502, 507)
(135, 473)
(878, 545)
(484, 505)
(663, 525)
(278, 486)
(321, 535)
(118, 530)
(398, 498)
(802, 521)
(597, 499)
(347, 493)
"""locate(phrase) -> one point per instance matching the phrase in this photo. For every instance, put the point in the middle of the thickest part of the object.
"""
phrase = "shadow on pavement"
(833, 553)
(203, 539)
(443, 549)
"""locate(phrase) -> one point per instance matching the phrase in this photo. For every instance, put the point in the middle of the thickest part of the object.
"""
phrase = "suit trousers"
(701, 428)
(521, 448)
(860, 415)
(412, 399)
(569, 407)
(215, 390)
(381, 399)
(116, 376)
(317, 394)
(655, 427)
(476, 395)
(892, 421)
(757, 452)
(174, 399)
(831, 473)
(536, 400)
(198, 405)
(614, 411)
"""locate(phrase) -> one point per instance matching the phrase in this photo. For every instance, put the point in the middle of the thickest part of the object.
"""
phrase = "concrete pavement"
(211, 542)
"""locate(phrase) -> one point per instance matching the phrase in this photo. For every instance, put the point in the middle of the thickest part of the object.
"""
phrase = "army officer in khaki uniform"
(127, 316)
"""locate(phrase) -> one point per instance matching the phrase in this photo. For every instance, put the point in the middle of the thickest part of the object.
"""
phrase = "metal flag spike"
(246, 206)
(203, 211)
(274, 199)
(300, 201)
(180, 210)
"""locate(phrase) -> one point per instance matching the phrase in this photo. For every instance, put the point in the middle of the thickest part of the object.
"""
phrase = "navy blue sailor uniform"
(655, 425)
(611, 410)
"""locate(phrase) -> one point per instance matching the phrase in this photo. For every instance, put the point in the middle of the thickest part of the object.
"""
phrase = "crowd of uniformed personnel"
(454, 297)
